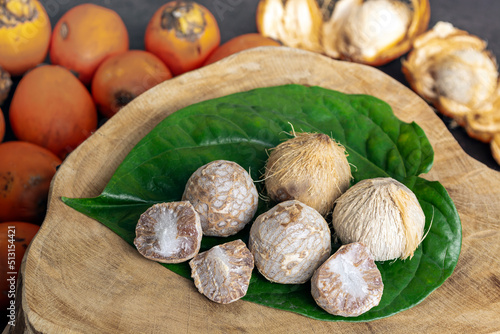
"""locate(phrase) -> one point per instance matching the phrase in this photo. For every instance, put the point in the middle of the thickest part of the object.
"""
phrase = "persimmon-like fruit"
(182, 34)
(2, 126)
(26, 171)
(121, 78)
(15, 238)
(24, 35)
(86, 35)
(240, 43)
(51, 108)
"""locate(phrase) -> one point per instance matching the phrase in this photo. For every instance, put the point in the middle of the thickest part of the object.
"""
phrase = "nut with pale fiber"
(348, 283)
(289, 242)
(169, 232)
(384, 215)
(223, 273)
(224, 195)
(311, 168)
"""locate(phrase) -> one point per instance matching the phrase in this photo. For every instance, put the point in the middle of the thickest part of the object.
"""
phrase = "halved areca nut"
(169, 232)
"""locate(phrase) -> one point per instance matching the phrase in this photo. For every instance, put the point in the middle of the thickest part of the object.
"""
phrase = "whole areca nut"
(224, 195)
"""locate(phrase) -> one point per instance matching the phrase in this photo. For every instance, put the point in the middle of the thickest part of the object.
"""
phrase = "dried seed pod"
(384, 215)
(223, 273)
(348, 283)
(224, 195)
(366, 31)
(169, 232)
(311, 168)
(452, 70)
(5, 84)
(289, 242)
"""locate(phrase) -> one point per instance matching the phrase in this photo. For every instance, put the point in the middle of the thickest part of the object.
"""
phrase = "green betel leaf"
(241, 128)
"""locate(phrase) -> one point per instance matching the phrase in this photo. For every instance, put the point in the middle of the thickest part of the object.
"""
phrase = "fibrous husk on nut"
(384, 215)
(311, 168)
(452, 70)
(169, 232)
(223, 273)
(5, 84)
(289, 242)
(366, 31)
(348, 283)
(224, 195)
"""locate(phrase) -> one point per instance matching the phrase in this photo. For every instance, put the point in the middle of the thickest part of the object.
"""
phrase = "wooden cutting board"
(80, 277)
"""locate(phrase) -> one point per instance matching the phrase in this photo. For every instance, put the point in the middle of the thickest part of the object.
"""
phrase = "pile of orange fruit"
(91, 75)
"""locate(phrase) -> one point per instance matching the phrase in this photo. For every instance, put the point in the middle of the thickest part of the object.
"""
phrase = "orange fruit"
(86, 35)
(121, 78)
(24, 35)
(240, 43)
(25, 174)
(51, 108)
(15, 238)
(182, 34)
(2, 126)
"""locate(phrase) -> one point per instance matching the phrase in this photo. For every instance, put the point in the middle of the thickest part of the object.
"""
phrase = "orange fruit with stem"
(53, 109)
(24, 35)
(182, 34)
(123, 77)
(86, 35)
(26, 171)
(240, 43)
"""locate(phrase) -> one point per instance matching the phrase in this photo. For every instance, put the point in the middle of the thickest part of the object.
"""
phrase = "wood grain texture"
(79, 277)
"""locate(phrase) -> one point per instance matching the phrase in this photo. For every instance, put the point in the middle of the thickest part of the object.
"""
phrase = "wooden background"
(79, 277)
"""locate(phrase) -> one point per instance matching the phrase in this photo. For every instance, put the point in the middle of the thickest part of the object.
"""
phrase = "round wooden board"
(80, 277)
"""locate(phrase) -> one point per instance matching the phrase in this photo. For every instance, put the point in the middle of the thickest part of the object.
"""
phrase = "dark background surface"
(236, 17)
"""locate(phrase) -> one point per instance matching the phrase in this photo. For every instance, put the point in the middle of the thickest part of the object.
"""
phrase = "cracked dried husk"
(372, 31)
(454, 71)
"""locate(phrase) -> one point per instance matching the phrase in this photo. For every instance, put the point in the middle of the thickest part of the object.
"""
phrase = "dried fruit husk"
(373, 32)
(296, 23)
(384, 215)
(484, 125)
(452, 70)
(311, 168)
(5, 84)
